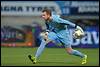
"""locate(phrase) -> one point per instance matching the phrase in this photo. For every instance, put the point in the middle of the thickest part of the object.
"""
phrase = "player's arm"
(66, 22)
(44, 33)
(62, 21)
(77, 28)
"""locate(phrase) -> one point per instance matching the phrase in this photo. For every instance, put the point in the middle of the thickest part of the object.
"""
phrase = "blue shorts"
(62, 36)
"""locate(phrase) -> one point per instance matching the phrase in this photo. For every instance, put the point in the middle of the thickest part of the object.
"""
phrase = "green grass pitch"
(50, 57)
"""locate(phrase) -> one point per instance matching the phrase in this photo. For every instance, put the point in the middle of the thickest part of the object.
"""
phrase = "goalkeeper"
(57, 30)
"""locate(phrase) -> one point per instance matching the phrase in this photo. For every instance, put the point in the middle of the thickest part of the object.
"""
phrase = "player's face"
(45, 16)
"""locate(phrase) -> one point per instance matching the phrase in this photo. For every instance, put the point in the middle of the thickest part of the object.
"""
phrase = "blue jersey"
(59, 31)
(57, 24)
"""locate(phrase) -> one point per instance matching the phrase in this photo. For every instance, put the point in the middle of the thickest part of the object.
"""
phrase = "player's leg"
(69, 50)
(66, 40)
(74, 52)
(77, 53)
(41, 47)
(38, 52)
(51, 36)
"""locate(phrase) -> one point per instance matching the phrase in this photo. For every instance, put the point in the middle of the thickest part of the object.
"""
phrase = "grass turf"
(50, 57)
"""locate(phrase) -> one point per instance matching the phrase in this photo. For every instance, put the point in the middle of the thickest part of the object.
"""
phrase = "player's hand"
(78, 33)
(44, 35)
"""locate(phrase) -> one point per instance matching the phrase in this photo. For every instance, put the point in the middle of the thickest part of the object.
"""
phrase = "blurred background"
(21, 22)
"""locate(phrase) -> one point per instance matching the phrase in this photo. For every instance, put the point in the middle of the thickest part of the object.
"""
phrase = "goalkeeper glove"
(79, 28)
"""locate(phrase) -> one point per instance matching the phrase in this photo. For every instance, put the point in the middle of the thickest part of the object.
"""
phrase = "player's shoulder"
(55, 17)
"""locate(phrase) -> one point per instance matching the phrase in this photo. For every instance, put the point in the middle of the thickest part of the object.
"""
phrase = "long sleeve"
(60, 20)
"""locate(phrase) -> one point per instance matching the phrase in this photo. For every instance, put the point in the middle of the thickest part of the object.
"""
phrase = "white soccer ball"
(78, 34)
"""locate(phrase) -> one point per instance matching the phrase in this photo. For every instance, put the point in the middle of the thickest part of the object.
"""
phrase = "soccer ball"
(78, 34)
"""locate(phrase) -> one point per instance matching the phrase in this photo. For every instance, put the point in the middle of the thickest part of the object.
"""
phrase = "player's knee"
(69, 52)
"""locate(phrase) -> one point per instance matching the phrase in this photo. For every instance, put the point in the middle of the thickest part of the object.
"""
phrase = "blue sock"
(77, 53)
(40, 49)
